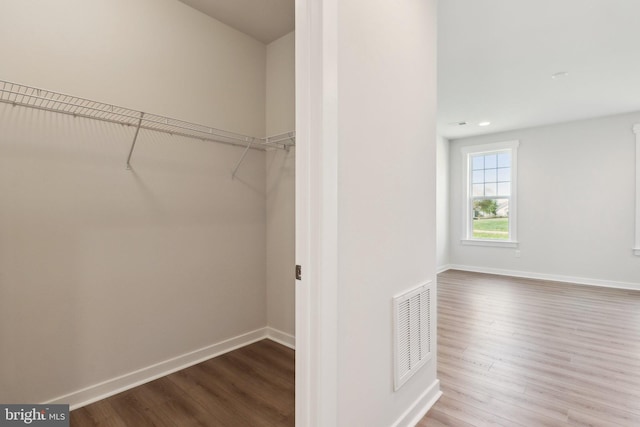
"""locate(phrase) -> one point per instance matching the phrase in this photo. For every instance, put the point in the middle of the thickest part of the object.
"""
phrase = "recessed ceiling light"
(559, 75)
(484, 123)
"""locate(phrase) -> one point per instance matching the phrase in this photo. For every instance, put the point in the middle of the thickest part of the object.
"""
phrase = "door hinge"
(298, 272)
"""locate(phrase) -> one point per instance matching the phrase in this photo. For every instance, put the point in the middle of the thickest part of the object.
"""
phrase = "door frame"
(316, 213)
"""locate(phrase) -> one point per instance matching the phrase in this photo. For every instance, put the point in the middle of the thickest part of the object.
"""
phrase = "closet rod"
(26, 96)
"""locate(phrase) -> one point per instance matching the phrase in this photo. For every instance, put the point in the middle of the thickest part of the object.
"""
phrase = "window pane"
(504, 160)
(490, 161)
(504, 189)
(478, 162)
(491, 219)
(490, 175)
(504, 174)
(478, 190)
(490, 189)
(478, 177)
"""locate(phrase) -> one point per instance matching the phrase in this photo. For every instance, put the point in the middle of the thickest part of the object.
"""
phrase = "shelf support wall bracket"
(244, 153)
(133, 144)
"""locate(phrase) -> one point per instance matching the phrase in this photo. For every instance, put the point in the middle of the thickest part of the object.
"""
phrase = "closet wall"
(281, 218)
(105, 271)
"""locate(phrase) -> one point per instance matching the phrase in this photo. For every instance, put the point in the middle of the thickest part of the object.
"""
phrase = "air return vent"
(412, 315)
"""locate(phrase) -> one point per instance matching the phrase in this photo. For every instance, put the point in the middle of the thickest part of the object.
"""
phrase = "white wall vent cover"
(412, 339)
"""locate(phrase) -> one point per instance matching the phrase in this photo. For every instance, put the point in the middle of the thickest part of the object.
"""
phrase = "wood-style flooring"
(520, 352)
(511, 352)
(252, 386)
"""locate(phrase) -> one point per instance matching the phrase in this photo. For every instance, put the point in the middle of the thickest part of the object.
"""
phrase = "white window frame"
(467, 226)
(636, 248)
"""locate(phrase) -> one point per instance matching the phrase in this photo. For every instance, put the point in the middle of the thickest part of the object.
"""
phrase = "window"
(489, 205)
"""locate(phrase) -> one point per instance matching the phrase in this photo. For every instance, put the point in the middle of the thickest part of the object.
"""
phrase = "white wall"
(442, 203)
(575, 203)
(157, 56)
(104, 271)
(280, 112)
(386, 215)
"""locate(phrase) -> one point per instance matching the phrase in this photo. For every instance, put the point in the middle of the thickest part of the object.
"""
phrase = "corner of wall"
(442, 204)
(280, 190)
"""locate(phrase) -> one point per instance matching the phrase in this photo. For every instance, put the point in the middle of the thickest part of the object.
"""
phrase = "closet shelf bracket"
(283, 141)
(244, 153)
(133, 144)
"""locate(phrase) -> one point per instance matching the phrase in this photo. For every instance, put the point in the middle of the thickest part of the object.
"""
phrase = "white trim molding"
(281, 337)
(490, 243)
(110, 387)
(552, 277)
(420, 407)
(443, 268)
(317, 212)
(636, 249)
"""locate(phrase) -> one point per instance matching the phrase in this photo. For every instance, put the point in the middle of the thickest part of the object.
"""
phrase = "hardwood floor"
(520, 352)
(511, 352)
(251, 386)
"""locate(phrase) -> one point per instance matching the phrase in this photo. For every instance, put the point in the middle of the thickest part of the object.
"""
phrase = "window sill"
(636, 251)
(491, 243)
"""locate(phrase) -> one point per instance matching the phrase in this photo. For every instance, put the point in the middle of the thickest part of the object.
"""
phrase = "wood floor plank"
(253, 386)
(580, 405)
(558, 354)
(437, 418)
(473, 415)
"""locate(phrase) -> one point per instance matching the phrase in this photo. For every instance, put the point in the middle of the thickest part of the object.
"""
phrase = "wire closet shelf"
(42, 99)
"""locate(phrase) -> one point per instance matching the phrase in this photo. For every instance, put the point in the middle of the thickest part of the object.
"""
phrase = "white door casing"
(316, 213)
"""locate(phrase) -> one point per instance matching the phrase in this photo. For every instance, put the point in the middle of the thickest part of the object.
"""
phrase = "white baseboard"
(280, 337)
(124, 382)
(552, 277)
(420, 407)
(443, 268)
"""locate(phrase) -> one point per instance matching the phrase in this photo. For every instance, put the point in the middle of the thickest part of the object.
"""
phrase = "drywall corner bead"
(636, 250)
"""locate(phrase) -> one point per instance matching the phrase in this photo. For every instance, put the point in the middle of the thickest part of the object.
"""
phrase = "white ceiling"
(265, 20)
(496, 58)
